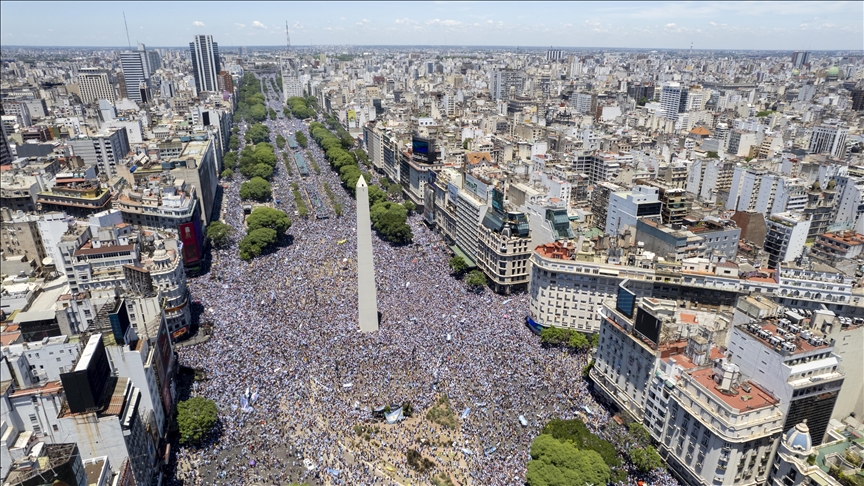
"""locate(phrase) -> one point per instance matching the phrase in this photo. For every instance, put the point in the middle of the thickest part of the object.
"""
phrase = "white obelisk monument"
(367, 295)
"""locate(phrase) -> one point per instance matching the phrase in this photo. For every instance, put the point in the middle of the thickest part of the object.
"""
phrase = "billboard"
(648, 326)
(497, 200)
(190, 235)
(453, 191)
(626, 301)
(85, 384)
(165, 362)
(423, 150)
(352, 116)
(474, 185)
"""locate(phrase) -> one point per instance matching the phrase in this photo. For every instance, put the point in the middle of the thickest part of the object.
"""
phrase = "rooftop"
(740, 399)
(781, 336)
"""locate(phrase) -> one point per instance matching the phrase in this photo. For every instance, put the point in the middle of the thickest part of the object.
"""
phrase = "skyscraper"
(154, 60)
(800, 58)
(136, 74)
(205, 62)
(670, 99)
(95, 85)
(5, 153)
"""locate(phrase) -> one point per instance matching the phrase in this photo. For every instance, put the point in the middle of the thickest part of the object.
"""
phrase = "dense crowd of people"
(292, 376)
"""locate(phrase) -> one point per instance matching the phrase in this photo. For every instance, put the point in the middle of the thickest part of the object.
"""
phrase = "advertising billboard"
(165, 362)
(477, 187)
(626, 302)
(648, 326)
(497, 200)
(190, 236)
(453, 191)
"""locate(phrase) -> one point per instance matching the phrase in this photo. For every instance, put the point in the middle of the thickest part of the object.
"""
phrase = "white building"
(204, 54)
(829, 138)
(626, 206)
(670, 99)
(714, 427)
(786, 236)
(94, 85)
(104, 150)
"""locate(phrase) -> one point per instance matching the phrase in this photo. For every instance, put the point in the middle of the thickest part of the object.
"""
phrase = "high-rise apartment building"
(136, 74)
(554, 55)
(95, 85)
(829, 138)
(205, 62)
(5, 152)
(858, 99)
(796, 365)
(671, 95)
(786, 236)
(501, 80)
(154, 60)
(800, 58)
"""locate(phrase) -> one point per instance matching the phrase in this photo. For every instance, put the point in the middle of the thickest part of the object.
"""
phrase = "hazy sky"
(708, 25)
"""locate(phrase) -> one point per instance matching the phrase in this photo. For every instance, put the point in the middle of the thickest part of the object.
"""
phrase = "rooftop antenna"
(128, 42)
(288, 36)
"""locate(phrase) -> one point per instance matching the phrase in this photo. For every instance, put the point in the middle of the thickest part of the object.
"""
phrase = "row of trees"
(258, 161)
(302, 107)
(257, 133)
(264, 227)
(251, 105)
(389, 219)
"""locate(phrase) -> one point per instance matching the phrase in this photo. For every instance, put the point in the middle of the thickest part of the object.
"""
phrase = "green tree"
(361, 156)
(557, 463)
(476, 280)
(272, 113)
(255, 242)
(280, 141)
(258, 133)
(257, 113)
(376, 195)
(458, 265)
(219, 233)
(640, 434)
(466, 143)
(410, 206)
(646, 459)
(576, 432)
(195, 417)
(642, 101)
(257, 189)
(227, 174)
(578, 341)
(264, 154)
(233, 142)
(265, 217)
(230, 160)
(711, 155)
(554, 336)
(301, 139)
(263, 171)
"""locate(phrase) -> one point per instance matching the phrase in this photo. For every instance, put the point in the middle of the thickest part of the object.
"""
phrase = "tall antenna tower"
(288, 37)
(127, 31)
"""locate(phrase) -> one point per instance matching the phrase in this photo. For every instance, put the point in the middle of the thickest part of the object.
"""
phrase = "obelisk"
(367, 295)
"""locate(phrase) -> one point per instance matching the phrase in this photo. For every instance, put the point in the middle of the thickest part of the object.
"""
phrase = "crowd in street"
(292, 376)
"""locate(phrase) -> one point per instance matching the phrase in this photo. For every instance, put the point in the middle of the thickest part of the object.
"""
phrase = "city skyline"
(705, 25)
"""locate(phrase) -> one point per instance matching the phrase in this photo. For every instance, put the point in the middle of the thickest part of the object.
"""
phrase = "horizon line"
(464, 46)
